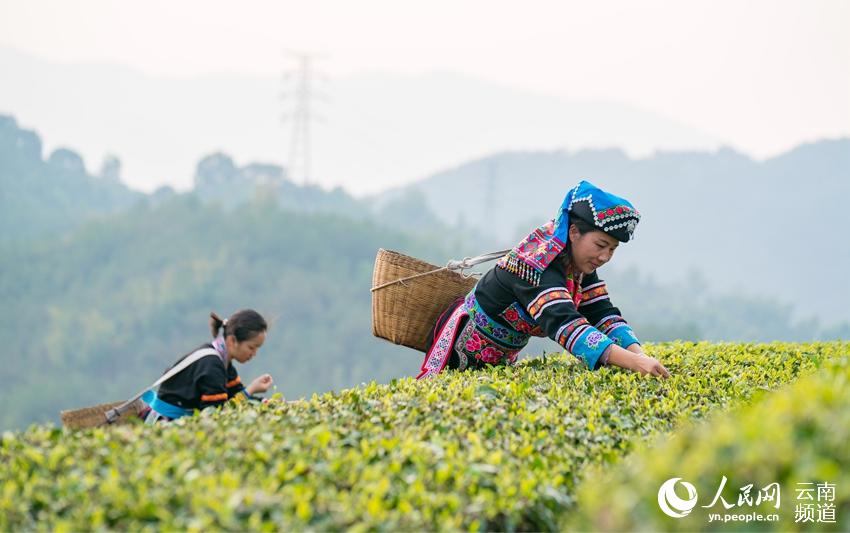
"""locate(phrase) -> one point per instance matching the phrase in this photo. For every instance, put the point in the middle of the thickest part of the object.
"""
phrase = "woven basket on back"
(405, 312)
(89, 417)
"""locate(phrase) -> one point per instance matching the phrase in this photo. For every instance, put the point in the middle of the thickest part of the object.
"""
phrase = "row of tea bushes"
(798, 438)
(495, 449)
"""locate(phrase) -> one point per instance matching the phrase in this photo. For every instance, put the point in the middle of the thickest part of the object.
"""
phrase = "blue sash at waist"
(162, 407)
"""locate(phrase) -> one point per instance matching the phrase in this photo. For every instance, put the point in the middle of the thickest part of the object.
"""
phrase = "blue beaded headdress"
(614, 215)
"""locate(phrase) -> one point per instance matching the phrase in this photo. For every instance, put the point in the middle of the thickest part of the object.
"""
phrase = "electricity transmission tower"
(490, 183)
(300, 86)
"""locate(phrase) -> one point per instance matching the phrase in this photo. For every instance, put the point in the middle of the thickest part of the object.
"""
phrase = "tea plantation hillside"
(501, 449)
(798, 438)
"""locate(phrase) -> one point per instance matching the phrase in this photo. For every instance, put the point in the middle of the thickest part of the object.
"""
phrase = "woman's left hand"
(261, 384)
(635, 348)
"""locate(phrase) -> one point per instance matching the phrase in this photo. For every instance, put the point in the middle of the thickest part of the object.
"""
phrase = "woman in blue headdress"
(548, 286)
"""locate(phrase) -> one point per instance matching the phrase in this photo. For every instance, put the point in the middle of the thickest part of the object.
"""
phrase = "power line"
(490, 187)
(302, 80)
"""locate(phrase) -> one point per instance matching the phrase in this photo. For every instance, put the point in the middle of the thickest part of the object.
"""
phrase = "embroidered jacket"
(205, 383)
(577, 314)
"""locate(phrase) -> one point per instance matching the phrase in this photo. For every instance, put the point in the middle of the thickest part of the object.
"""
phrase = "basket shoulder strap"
(469, 262)
(187, 361)
(182, 365)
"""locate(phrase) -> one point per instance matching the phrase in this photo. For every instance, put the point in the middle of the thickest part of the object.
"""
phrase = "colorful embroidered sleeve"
(551, 305)
(596, 306)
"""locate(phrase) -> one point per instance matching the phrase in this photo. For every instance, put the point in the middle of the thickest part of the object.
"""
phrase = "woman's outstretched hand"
(635, 360)
(261, 384)
(650, 365)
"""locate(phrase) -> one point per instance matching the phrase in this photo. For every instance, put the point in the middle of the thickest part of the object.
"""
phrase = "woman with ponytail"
(212, 380)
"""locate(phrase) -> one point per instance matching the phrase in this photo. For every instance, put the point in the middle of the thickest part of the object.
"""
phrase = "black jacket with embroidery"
(205, 383)
(549, 310)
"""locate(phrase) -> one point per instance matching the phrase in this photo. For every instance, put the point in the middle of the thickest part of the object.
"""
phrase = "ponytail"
(216, 323)
(244, 324)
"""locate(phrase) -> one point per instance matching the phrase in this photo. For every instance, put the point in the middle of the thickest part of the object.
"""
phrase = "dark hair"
(583, 227)
(243, 324)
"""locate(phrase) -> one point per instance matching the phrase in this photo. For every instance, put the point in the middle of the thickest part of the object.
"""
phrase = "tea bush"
(502, 448)
(800, 434)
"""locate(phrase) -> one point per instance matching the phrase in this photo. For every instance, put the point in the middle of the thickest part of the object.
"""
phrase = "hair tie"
(224, 322)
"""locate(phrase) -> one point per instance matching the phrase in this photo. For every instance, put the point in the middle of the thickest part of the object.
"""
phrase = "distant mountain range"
(770, 228)
(44, 197)
(775, 227)
(41, 196)
(376, 130)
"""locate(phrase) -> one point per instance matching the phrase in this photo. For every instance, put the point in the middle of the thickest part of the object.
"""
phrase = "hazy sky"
(762, 76)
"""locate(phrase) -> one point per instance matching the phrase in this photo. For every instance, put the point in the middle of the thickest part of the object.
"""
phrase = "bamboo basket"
(405, 312)
(89, 417)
